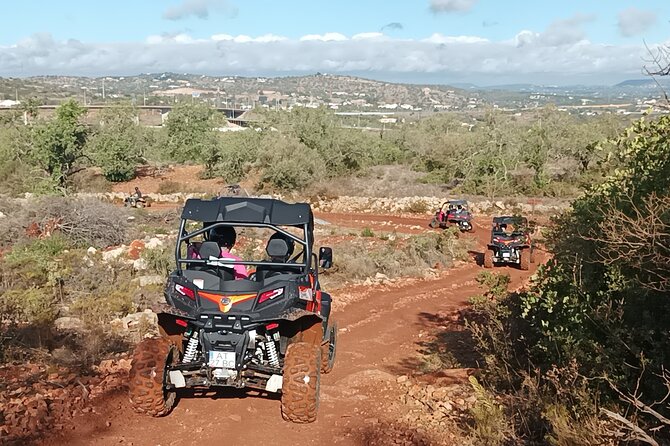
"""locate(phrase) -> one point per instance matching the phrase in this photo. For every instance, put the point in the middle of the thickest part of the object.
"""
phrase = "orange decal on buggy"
(225, 303)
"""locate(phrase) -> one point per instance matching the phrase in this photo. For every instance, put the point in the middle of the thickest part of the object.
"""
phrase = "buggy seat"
(278, 251)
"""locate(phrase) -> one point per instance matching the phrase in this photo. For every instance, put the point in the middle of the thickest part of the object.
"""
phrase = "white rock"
(140, 264)
(113, 254)
(69, 324)
(150, 280)
(91, 251)
(134, 319)
(153, 243)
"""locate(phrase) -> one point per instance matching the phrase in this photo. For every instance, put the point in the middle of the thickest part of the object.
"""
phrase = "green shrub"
(491, 427)
(367, 232)
(159, 260)
(290, 165)
(103, 305)
(35, 263)
(35, 306)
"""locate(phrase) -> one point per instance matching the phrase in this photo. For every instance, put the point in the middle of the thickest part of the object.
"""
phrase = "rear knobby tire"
(147, 377)
(301, 379)
(329, 350)
(524, 259)
(433, 223)
(488, 259)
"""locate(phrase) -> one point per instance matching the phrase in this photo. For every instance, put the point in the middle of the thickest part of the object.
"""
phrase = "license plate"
(222, 360)
(505, 254)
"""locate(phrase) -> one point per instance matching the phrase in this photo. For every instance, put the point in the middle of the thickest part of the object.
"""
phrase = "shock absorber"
(191, 348)
(271, 349)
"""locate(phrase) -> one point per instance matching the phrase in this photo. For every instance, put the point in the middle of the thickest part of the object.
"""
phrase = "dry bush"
(399, 257)
(417, 207)
(638, 238)
(89, 180)
(170, 187)
(85, 221)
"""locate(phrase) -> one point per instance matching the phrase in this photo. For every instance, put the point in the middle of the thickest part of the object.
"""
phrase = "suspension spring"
(191, 348)
(271, 349)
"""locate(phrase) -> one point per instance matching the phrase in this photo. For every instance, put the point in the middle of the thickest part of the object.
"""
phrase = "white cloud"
(327, 37)
(451, 5)
(197, 8)
(633, 21)
(566, 31)
(368, 36)
(265, 38)
(441, 38)
(528, 55)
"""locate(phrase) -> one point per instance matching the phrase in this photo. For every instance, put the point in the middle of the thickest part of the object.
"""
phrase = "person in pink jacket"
(225, 237)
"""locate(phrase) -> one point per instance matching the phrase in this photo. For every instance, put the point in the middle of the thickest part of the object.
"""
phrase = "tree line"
(542, 152)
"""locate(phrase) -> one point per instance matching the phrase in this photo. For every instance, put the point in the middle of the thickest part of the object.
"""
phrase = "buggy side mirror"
(325, 257)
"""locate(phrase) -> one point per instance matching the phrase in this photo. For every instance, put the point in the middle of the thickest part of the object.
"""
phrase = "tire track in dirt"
(380, 332)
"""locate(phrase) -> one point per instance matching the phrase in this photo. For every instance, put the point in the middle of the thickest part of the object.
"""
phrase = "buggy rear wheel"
(488, 258)
(301, 379)
(524, 259)
(329, 350)
(434, 223)
(147, 377)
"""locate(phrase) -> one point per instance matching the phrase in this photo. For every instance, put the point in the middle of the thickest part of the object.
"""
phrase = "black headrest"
(277, 248)
(209, 249)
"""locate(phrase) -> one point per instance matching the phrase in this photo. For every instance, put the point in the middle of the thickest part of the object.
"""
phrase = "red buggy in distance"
(453, 213)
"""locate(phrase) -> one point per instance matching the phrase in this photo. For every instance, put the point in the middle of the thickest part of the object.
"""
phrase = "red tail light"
(181, 322)
(272, 326)
(184, 291)
(269, 295)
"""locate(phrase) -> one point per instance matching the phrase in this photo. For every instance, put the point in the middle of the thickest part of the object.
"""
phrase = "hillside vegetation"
(546, 152)
(581, 356)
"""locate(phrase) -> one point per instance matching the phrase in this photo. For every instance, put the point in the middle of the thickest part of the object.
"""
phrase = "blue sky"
(488, 41)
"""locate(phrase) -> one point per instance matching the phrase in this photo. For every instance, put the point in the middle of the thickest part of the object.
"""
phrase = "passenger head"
(225, 236)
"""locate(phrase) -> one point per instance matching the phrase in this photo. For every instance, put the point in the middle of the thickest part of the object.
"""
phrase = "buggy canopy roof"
(507, 219)
(248, 210)
(457, 202)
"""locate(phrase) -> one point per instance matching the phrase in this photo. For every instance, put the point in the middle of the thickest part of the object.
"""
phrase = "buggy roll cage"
(520, 224)
(463, 203)
(247, 212)
(187, 236)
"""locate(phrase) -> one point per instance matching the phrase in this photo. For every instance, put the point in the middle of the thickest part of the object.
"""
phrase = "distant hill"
(643, 83)
(317, 88)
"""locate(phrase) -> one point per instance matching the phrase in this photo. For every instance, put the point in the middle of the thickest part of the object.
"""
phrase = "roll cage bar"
(308, 256)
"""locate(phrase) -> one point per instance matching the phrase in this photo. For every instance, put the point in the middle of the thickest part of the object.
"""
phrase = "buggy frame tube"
(186, 237)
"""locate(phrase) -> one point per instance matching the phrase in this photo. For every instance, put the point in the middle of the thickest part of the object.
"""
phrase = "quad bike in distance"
(510, 243)
(453, 213)
(135, 202)
(270, 332)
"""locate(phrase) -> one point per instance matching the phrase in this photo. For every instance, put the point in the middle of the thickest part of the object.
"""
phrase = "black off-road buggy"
(510, 243)
(271, 331)
(453, 213)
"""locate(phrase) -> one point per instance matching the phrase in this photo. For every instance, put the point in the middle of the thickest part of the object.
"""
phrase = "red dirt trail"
(381, 329)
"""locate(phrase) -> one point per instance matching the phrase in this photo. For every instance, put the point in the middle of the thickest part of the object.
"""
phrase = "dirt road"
(381, 329)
